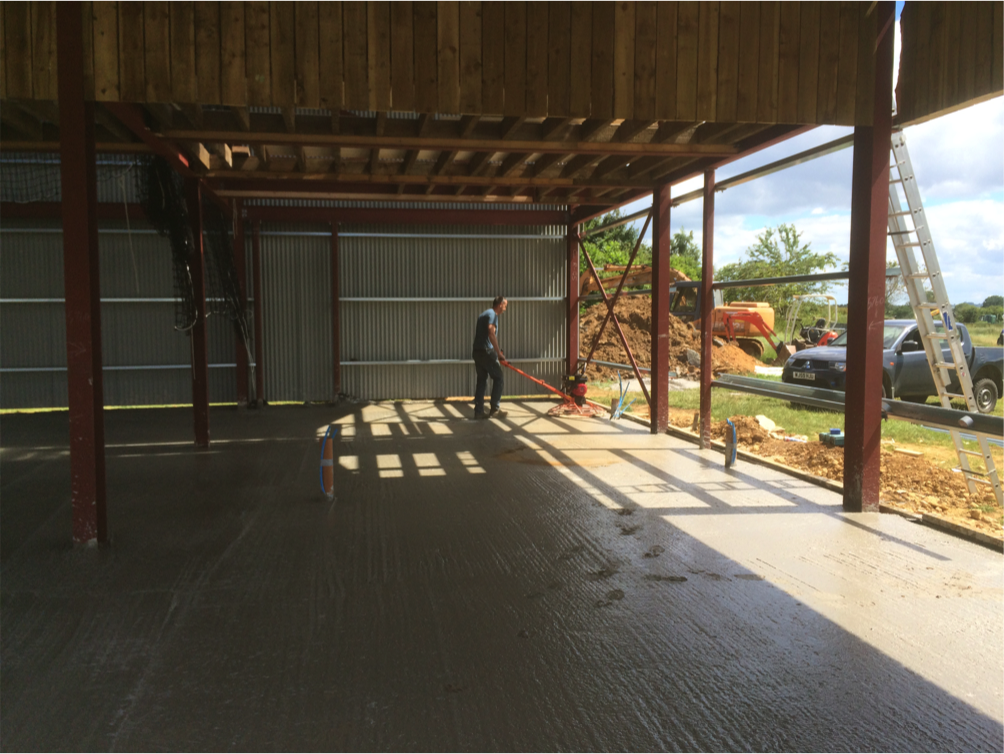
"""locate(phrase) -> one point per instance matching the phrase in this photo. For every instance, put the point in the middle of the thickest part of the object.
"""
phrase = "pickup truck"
(907, 374)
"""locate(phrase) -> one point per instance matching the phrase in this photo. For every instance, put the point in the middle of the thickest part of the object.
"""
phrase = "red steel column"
(200, 357)
(81, 284)
(573, 298)
(866, 289)
(240, 264)
(336, 312)
(259, 357)
(658, 405)
(707, 305)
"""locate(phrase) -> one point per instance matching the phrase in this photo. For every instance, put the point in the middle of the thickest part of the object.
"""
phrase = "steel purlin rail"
(610, 312)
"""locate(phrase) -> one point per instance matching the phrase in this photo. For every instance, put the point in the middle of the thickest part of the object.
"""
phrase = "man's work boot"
(498, 413)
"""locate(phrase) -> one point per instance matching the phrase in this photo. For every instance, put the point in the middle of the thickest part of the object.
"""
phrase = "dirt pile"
(635, 315)
(911, 483)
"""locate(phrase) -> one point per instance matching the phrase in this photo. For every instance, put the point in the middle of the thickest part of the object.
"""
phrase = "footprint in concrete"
(748, 576)
(626, 530)
(624, 511)
(571, 553)
(453, 688)
(523, 634)
(534, 595)
(603, 573)
(555, 586)
(615, 595)
(655, 552)
(713, 576)
(672, 579)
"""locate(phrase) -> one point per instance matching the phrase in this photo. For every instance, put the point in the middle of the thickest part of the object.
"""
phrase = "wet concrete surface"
(526, 584)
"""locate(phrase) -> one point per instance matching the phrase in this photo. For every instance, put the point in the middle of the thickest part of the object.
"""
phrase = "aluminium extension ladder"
(906, 237)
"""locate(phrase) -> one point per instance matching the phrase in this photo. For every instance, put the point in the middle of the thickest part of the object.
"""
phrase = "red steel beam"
(617, 325)
(572, 304)
(408, 216)
(707, 305)
(200, 357)
(259, 348)
(659, 406)
(866, 288)
(612, 301)
(336, 313)
(240, 264)
(78, 172)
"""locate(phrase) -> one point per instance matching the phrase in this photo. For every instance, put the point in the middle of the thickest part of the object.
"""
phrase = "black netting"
(223, 290)
(34, 177)
(162, 193)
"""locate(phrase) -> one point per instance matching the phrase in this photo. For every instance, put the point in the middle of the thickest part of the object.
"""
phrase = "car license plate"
(803, 376)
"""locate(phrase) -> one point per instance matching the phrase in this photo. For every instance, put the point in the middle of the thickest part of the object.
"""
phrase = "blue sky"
(959, 163)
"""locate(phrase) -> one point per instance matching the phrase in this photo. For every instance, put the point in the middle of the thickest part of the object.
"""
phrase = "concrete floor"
(526, 584)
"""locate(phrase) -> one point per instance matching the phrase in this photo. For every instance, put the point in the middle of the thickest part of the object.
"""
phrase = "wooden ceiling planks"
(951, 57)
(751, 62)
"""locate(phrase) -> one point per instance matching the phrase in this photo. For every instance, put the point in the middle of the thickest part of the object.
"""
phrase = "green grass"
(984, 333)
(796, 420)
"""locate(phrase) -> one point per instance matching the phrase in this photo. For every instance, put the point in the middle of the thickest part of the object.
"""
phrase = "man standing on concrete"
(487, 355)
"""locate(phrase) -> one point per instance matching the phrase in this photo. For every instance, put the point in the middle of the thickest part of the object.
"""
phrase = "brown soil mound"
(635, 316)
(908, 482)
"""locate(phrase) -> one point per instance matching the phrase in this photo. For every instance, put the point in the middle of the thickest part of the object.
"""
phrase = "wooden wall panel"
(770, 30)
(17, 27)
(259, 64)
(157, 51)
(233, 59)
(182, 35)
(43, 50)
(308, 85)
(687, 29)
(997, 73)
(581, 59)
(707, 62)
(356, 66)
(131, 59)
(208, 48)
(448, 54)
(665, 61)
(865, 105)
(88, 10)
(847, 66)
(515, 59)
(536, 58)
(602, 104)
(3, 54)
(426, 65)
(378, 55)
(788, 56)
(559, 60)
(808, 62)
(950, 73)
(936, 55)
(624, 45)
(728, 62)
(329, 57)
(829, 58)
(646, 22)
(471, 24)
(402, 55)
(105, 27)
(282, 34)
(983, 47)
(749, 62)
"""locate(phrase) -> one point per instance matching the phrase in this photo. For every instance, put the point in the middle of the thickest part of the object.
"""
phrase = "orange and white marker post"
(328, 463)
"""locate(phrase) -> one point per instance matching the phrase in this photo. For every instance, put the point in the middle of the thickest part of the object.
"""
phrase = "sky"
(959, 163)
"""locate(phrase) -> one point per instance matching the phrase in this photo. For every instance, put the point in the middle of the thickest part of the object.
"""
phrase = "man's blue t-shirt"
(481, 340)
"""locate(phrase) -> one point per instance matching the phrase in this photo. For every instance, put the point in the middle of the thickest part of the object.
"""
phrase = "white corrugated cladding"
(410, 297)
(146, 361)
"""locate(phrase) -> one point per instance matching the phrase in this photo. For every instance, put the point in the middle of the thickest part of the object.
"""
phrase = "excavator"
(641, 274)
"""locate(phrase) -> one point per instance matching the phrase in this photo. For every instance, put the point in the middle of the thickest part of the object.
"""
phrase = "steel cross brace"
(611, 302)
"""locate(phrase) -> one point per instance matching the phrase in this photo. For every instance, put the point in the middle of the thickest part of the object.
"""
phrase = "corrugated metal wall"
(410, 296)
(146, 361)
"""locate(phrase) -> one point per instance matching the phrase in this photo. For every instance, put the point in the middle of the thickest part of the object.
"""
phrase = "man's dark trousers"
(487, 365)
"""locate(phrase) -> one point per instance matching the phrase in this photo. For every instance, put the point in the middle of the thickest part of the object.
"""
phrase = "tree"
(777, 253)
(612, 246)
(993, 301)
(685, 254)
(895, 286)
(967, 313)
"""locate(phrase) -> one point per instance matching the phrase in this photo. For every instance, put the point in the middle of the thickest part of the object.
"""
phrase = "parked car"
(907, 374)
